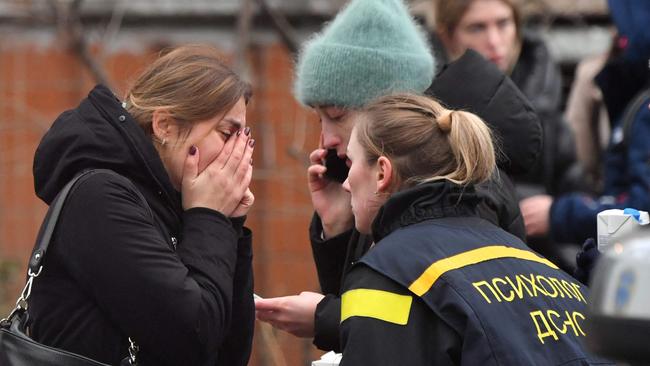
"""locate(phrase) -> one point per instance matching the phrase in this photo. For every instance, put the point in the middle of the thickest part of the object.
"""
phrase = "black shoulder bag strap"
(43, 240)
(49, 224)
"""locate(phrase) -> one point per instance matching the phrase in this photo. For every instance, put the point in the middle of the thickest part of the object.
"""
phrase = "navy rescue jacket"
(442, 286)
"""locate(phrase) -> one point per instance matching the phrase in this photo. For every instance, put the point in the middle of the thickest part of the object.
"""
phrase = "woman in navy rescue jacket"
(441, 286)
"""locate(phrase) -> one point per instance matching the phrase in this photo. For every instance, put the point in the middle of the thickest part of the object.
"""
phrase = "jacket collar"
(99, 133)
(149, 167)
(424, 202)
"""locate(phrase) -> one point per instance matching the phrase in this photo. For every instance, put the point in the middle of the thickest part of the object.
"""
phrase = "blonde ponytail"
(471, 143)
(444, 121)
(425, 141)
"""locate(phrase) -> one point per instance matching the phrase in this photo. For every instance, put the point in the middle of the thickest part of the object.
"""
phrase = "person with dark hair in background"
(494, 29)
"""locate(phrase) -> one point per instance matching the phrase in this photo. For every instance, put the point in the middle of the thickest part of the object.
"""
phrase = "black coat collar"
(99, 133)
(424, 202)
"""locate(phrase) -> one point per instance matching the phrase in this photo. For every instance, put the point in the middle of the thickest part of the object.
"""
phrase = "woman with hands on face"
(157, 253)
(378, 58)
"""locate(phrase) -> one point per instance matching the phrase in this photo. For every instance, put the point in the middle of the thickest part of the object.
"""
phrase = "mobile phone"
(337, 169)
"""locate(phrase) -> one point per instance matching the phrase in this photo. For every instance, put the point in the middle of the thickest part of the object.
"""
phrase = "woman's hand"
(330, 200)
(536, 213)
(293, 314)
(222, 185)
(244, 205)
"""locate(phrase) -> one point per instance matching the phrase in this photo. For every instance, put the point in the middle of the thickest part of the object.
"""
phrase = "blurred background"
(53, 51)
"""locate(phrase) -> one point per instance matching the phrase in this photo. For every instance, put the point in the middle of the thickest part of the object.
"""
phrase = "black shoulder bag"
(16, 347)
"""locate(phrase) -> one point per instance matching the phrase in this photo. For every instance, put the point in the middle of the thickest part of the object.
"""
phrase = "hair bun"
(444, 121)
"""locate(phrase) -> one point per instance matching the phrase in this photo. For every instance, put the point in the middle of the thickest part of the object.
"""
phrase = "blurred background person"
(624, 83)
(494, 28)
(586, 114)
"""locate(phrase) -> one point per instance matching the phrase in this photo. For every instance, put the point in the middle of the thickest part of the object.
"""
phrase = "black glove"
(586, 260)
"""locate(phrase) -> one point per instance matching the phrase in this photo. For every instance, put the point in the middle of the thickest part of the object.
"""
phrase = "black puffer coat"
(539, 78)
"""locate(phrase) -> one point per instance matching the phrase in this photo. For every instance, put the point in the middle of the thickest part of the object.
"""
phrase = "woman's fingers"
(223, 184)
(315, 174)
(317, 156)
(191, 167)
(244, 170)
(226, 151)
(238, 151)
(270, 304)
(316, 170)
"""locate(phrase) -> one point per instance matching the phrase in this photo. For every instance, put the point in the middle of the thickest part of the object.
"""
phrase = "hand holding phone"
(330, 200)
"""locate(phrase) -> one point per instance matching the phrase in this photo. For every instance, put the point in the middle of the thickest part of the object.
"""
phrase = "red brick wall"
(39, 82)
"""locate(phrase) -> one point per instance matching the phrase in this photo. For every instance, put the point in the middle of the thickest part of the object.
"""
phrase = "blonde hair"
(190, 82)
(426, 142)
(449, 13)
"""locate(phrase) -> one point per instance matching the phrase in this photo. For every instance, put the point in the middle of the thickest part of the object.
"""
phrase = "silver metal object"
(133, 352)
(618, 323)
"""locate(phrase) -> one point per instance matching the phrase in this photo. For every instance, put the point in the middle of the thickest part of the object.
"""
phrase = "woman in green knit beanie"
(372, 48)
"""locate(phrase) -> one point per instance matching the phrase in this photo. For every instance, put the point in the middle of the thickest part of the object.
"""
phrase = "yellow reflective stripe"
(377, 304)
(438, 268)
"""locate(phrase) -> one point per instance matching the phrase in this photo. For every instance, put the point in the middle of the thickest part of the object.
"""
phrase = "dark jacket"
(469, 83)
(625, 84)
(444, 287)
(179, 283)
(539, 78)
(473, 84)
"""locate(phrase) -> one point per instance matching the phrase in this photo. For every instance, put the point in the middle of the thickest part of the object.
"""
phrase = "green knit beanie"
(371, 48)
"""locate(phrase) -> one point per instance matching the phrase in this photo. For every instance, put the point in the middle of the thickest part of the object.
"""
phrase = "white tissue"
(329, 359)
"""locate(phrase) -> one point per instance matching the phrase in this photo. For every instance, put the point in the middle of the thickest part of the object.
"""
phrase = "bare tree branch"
(79, 44)
(282, 26)
(113, 26)
(75, 6)
(243, 34)
(69, 24)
